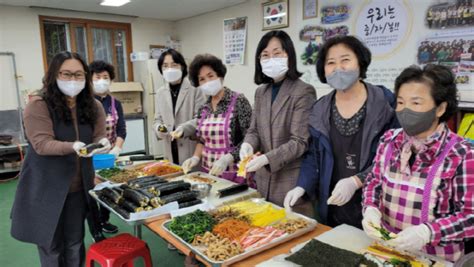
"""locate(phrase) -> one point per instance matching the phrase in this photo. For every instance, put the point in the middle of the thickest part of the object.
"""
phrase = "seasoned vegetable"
(107, 173)
(191, 224)
(386, 234)
(232, 229)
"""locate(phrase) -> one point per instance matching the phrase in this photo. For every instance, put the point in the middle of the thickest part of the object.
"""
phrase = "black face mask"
(414, 123)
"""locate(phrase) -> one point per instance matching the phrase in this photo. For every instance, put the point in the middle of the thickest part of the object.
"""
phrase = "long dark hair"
(57, 101)
(287, 46)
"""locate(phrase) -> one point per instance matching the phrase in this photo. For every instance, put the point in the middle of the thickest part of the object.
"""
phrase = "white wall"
(204, 34)
(20, 34)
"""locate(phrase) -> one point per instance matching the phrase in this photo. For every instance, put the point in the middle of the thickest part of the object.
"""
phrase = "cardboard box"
(129, 94)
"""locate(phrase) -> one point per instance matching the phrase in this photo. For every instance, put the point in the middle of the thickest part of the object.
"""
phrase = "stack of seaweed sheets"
(319, 254)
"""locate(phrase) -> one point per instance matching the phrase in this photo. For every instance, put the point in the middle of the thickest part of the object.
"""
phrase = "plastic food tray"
(312, 224)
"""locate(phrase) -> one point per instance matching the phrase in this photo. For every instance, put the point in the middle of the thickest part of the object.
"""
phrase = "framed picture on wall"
(310, 9)
(275, 14)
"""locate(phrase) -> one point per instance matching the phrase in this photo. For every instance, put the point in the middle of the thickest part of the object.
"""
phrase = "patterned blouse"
(454, 209)
(239, 122)
(351, 126)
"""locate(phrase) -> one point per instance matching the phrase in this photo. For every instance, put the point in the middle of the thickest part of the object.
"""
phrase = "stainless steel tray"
(251, 252)
(146, 216)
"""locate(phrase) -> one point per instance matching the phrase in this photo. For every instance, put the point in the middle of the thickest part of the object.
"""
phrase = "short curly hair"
(202, 60)
(364, 56)
(98, 66)
(439, 78)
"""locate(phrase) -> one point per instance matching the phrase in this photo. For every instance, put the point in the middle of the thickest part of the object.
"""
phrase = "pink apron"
(216, 133)
(111, 123)
(408, 202)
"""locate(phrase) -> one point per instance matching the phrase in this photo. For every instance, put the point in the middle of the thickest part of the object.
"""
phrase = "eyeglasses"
(67, 75)
(276, 54)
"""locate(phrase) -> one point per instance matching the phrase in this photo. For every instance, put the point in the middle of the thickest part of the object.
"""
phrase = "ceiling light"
(114, 2)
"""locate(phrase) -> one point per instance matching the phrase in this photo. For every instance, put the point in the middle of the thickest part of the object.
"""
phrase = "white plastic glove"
(344, 190)
(115, 151)
(221, 164)
(372, 219)
(178, 133)
(246, 150)
(256, 163)
(106, 147)
(160, 134)
(77, 147)
(412, 238)
(189, 164)
(292, 196)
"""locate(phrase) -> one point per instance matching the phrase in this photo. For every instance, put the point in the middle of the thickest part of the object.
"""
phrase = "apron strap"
(389, 152)
(229, 112)
(430, 179)
(113, 109)
(201, 120)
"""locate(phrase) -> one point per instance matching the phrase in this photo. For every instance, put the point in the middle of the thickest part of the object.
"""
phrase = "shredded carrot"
(232, 229)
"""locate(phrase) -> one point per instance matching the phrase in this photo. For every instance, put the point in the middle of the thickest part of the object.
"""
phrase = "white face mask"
(101, 86)
(71, 88)
(211, 88)
(275, 68)
(172, 74)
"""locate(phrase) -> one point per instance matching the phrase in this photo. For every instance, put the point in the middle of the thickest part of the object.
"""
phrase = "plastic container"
(103, 161)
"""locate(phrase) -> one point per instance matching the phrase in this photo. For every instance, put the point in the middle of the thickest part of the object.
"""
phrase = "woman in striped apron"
(221, 122)
(422, 183)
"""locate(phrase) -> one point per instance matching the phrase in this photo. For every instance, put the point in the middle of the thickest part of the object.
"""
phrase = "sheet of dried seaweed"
(317, 253)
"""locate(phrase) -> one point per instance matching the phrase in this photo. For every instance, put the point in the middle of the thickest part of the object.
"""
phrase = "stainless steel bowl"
(203, 190)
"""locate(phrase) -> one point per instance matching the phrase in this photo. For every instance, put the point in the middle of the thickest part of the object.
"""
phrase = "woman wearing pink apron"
(221, 122)
(422, 183)
(102, 75)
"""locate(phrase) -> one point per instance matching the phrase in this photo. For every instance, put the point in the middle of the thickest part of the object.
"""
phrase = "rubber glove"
(178, 133)
(160, 134)
(412, 238)
(246, 150)
(256, 163)
(344, 190)
(292, 196)
(106, 147)
(115, 151)
(372, 219)
(77, 147)
(221, 164)
(189, 164)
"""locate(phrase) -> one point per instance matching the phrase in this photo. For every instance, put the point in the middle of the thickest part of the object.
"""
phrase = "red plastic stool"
(118, 251)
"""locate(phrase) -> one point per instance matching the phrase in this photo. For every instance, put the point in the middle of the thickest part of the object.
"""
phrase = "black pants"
(67, 247)
(103, 215)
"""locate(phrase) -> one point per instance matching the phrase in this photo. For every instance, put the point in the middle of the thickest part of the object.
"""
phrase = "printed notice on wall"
(383, 25)
(235, 33)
